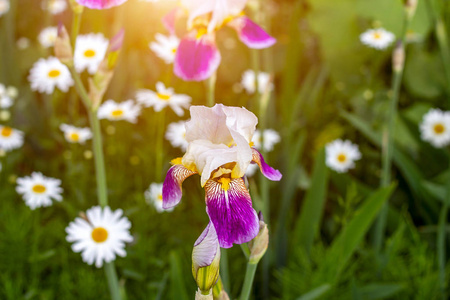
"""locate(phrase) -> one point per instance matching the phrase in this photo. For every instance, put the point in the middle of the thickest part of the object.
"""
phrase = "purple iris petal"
(196, 59)
(101, 4)
(251, 34)
(172, 185)
(206, 247)
(267, 170)
(231, 212)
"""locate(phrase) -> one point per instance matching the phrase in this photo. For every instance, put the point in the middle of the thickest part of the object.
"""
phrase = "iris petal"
(268, 171)
(252, 34)
(100, 4)
(196, 59)
(172, 191)
(230, 210)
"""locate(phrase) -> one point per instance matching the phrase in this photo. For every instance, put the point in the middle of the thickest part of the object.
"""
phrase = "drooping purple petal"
(196, 59)
(100, 4)
(252, 34)
(206, 247)
(169, 20)
(268, 171)
(172, 191)
(230, 209)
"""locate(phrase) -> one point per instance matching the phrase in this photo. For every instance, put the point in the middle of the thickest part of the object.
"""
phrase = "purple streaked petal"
(172, 191)
(100, 4)
(169, 20)
(268, 171)
(196, 59)
(252, 34)
(206, 247)
(231, 212)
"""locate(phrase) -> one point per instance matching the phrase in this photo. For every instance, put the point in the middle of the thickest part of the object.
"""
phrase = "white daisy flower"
(90, 50)
(56, 6)
(76, 134)
(100, 236)
(47, 36)
(248, 82)
(10, 138)
(270, 139)
(176, 135)
(49, 73)
(153, 196)
(4, 7)
(341, 155)
(38, 190)
(435, 128)
(163, 97)
(165, 47)
(377, 38)
(115, 111)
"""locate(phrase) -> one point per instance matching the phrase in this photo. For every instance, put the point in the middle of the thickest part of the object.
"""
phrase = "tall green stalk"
(100, 173)
(211, 90)
(389, 131)
(248, 281)
(441, 248)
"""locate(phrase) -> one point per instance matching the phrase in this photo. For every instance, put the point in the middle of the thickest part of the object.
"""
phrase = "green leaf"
(353, 233)
(178, 289)
(377, 291)
(311, 212)
(315, 293)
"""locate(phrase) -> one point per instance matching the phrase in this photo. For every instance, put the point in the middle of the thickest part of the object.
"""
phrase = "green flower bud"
(206, 259)
(259, 244)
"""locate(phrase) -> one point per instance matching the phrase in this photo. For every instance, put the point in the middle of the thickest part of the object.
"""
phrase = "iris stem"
(76, 23)
(224, 274)
(388, 139)
(248, 281)
(100, 173)
(211, 89)
(245, 250)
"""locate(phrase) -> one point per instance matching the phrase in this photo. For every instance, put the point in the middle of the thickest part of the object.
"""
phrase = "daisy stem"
(248, 281)
(211, 89)
(388, 133)
(100, 173)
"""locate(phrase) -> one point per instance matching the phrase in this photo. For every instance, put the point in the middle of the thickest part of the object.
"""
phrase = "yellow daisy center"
(439, 128)
(54, 73)
(39, 189)
(163, 97)
(160, 197)
(174, 50)
(89, 53)
(74, 137)
(117, 113)
(6, 132)
(342, 158)
(377, 35)
(99, 234)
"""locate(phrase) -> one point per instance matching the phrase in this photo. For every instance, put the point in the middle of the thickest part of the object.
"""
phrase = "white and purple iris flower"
(220, 152)
(100, 4)
(197, 56)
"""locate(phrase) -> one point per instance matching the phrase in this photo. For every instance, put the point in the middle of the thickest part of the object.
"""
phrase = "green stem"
(211, 89)
(441, 249)
(100, 172)
(113, 281)
(159, 145)
(245, 250)
(388, 143)
(248, 281)
(224, 274)
(76, 23)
